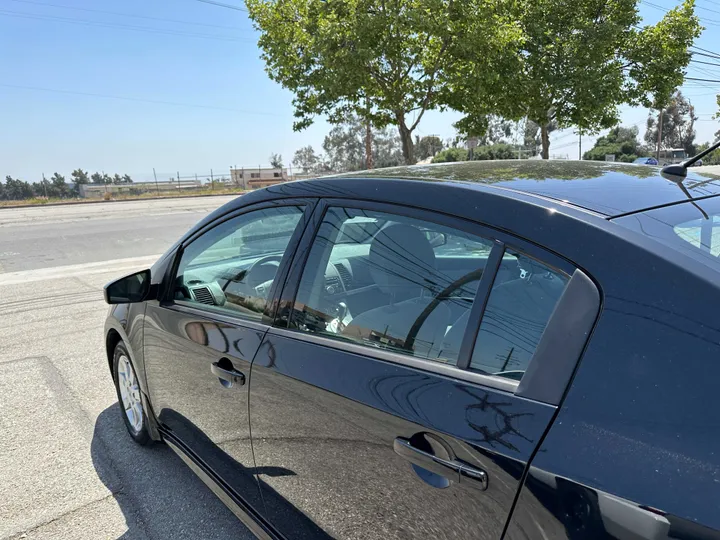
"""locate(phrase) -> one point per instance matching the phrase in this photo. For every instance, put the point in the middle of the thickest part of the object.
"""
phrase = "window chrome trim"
(183, 306)
(448, 370)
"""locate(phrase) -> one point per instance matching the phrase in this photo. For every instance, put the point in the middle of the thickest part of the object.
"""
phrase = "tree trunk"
(545, 138)
(406, 140)
(368, 146)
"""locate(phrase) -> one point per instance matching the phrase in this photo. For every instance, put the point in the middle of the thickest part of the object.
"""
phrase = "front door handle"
(228, 377)
(454, 469)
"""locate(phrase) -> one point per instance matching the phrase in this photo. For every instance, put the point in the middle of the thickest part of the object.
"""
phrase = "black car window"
(232, 266)
(522, 299)
(388, 281)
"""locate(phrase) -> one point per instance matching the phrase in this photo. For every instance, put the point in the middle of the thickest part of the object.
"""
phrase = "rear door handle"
(454, 470)
(228, 377)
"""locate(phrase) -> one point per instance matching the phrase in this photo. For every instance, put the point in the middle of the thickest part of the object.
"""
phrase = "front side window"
(386, 281)
(232, 266)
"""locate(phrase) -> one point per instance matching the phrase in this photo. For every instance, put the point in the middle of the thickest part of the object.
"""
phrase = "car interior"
(388, 282)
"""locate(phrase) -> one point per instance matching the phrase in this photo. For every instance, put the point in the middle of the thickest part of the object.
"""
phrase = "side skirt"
(245, 513)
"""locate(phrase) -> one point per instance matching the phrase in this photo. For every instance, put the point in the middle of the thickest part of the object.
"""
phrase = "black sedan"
(514, 349)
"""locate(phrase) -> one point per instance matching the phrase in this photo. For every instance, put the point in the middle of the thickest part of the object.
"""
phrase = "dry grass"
(125, 197)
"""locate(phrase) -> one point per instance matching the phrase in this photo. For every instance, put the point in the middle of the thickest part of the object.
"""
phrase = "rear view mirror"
(435, 238)
(128, 289)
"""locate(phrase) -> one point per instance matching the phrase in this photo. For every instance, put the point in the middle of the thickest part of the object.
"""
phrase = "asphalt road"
(67, 468)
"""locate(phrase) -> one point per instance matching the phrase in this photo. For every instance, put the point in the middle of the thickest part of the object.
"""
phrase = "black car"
(513, 349)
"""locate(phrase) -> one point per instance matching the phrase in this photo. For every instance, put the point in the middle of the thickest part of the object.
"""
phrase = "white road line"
(72, 270)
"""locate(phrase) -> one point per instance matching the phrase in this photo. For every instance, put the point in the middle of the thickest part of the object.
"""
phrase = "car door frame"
(250, 516)
(571, 323)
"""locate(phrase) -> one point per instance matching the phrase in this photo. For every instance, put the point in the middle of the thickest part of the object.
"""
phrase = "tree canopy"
(344, 146)
(678, 125)
(574, 62)
(620, 141)
(386, 62)
(276, 161)
(427, 146)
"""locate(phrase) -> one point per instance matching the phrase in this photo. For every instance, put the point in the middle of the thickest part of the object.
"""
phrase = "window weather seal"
(478, 308)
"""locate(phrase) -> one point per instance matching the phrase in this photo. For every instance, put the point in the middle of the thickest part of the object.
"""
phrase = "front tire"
(128, 391)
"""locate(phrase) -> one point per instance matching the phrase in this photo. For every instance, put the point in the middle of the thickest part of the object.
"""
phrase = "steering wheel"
(249, 282)
(255, 276)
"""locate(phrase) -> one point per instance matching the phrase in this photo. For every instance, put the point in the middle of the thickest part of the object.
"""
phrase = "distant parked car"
(482, 350)
(698, 163)
(646, 161)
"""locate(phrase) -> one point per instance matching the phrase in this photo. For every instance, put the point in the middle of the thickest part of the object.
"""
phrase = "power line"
(140, 100)
(85, 22)
(713, 53)
(703, 80)
(228, 6)
(713, 22)
(706, 63)
(131, 15)
(695, 53)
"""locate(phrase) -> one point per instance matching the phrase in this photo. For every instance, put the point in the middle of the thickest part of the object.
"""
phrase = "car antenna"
(680, 169)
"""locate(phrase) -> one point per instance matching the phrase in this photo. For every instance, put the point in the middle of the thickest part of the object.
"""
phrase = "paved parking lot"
(67, 468)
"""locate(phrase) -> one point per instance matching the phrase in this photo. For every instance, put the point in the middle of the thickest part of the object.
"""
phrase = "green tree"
(345, 148)
(80, 177)
(97, 178)
(574, 62)
(126, 179)
(17, 190)
(678, 125)
(495, 151)
(451, 154)
(386, 148)
(713, 158)
(383, 61)
(620, 141)
(58, 186)
(276, 161)
(306, 159)
(427, 146)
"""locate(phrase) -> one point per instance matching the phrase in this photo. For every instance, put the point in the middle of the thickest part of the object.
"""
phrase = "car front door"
(391, 396)
(201, 338)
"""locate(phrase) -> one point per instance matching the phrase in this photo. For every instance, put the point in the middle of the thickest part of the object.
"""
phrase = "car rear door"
(201, 337)
(402, 415)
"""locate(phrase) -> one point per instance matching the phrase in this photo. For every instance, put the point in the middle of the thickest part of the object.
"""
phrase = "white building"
(250, 178)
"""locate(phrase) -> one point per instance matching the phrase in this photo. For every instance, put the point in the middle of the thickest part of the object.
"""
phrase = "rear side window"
(407, 285)
(516, 314)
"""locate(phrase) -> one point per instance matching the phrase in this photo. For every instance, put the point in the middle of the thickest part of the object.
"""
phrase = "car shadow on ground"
(159, 496)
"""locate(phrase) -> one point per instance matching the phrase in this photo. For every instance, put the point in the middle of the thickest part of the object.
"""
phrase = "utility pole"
(178, 177)
(212, 181)
(660, 123)
(368, 146)
(580, 144)
(157, 188)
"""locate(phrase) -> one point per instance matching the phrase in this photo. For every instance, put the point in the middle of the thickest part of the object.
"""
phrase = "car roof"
(607, 188)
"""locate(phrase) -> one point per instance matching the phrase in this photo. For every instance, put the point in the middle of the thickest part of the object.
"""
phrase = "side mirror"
(129, 289)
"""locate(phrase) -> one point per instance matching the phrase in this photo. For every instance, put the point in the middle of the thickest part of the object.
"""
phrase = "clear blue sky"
(195, 93)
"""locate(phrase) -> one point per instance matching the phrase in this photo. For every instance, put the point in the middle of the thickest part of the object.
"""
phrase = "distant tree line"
(345, 147)
(56, 187)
